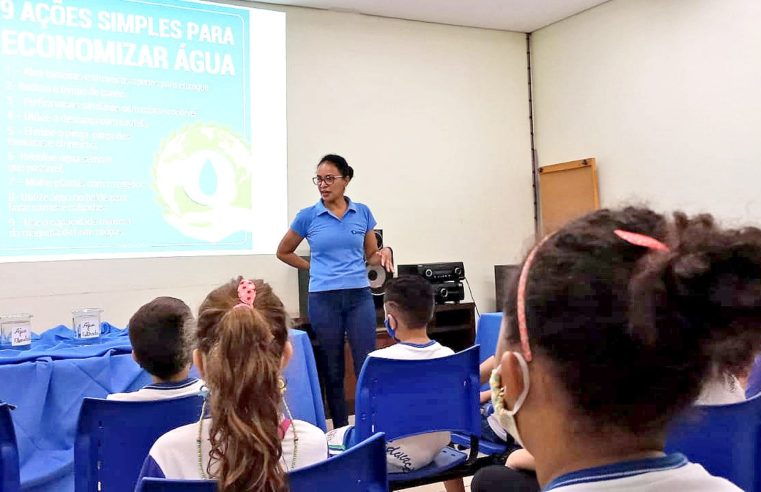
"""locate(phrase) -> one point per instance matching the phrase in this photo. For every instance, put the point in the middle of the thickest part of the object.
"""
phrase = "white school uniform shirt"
(160, 391)
(412, 453)
(175, 454)
(672, 473)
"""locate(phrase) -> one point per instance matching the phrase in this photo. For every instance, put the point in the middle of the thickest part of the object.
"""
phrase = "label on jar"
(20, 334)
(87, 327)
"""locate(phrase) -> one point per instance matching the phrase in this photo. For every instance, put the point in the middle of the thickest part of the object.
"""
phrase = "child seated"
(409, 304)
(160, 341)
(248, 440)
(614, 326)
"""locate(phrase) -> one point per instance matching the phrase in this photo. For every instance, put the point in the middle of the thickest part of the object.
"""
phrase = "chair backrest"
(487, 334)
(408, 397)
(725, 439)
(359, 469)
(114, 437)
(9, 463)
(362, 468)
(164, 485)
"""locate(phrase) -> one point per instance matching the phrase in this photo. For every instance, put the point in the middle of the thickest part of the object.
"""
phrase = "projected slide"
(140, 128)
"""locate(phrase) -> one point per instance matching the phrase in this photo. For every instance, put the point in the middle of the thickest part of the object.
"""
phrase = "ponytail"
(705, 296)
(242, 350)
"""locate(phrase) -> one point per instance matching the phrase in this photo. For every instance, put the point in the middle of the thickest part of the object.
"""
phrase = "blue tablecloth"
(48, 382)
(303, 393)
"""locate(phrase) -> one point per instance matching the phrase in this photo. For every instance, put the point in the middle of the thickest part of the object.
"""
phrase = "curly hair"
(242, 351)
(632, 333)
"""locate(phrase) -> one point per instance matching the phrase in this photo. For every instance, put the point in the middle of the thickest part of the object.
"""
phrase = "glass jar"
(16, 331)
(86, 323)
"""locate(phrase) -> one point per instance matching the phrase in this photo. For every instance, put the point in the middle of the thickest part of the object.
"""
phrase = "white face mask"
(506, 417)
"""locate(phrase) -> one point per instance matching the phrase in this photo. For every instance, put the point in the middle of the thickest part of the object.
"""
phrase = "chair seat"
(484, 446)
(447, 459)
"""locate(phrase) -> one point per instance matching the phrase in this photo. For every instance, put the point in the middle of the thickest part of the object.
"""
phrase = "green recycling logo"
(202, 177)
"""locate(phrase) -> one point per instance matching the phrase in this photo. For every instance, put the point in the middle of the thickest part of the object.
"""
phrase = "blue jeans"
(334, 314)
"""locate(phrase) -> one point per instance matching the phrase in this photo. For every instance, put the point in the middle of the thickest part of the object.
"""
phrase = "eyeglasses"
(329, 179)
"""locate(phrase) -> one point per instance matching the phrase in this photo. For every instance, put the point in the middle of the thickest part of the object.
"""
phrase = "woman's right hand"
(386, 258)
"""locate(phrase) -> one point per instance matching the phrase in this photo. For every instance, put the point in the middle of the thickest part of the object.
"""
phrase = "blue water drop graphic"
(208, 178)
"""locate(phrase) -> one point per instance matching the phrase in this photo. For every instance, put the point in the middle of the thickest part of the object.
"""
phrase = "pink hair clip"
(246, 293)
(638, 239)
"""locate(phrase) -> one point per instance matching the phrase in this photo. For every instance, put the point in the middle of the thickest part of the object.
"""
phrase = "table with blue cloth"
(48, 382)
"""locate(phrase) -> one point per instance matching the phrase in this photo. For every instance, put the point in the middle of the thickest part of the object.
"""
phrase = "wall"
(664, 94)
(434, 120)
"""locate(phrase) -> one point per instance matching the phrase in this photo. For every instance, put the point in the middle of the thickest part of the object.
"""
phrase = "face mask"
(391, 331)
(506, 417)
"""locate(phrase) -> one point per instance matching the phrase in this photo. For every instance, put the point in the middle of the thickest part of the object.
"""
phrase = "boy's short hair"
(159, 335)
(413, 299)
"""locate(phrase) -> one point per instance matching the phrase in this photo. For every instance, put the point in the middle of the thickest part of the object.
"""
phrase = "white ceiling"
(507, 15)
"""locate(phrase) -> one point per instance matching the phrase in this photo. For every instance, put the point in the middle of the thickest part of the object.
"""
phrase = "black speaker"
(453, 271)
(448, 292)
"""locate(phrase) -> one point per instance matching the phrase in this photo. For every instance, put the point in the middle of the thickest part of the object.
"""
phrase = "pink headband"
(630, 237)
(246, 293)
(638, 239)
(521, 305)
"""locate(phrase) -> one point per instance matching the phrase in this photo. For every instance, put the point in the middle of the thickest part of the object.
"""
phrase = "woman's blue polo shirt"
(337, 245)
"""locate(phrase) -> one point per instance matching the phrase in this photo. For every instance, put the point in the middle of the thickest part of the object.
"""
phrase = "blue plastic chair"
(114, 437)
(165, 485)
(487, 335)
(9, 464)
(359, 469)
(407, 397)
(725, 439)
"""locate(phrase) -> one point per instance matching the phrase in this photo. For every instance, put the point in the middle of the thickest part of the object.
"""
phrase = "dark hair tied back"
(343, 167)
(634, 333)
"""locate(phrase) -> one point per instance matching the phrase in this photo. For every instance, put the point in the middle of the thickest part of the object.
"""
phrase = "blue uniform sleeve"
(150, 469)
(370, 220)
(301, 222)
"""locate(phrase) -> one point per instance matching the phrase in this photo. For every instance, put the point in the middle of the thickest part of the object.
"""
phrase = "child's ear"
(512, 378)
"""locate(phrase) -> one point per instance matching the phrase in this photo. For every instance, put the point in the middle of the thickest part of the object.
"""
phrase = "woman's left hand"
(386, 259)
